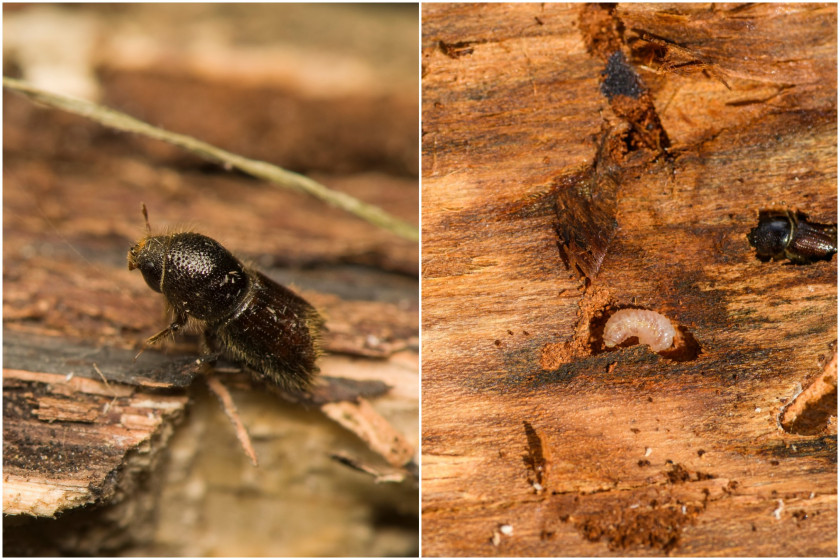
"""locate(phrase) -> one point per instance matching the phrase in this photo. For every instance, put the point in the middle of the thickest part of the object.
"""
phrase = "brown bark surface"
(108, 458)
(560, 184)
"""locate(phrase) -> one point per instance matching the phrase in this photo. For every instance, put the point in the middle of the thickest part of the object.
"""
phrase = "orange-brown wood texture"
(562, 181)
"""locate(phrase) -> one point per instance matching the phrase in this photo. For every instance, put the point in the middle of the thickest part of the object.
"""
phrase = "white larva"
(650, 327)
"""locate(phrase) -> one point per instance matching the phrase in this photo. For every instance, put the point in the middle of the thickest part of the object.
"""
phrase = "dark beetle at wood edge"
(787, 234)
(250, 317)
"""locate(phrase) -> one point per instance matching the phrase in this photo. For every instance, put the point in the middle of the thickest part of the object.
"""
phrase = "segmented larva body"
(650, 327)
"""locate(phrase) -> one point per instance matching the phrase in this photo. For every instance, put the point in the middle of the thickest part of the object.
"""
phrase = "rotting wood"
(649, 455)
(363, 420)
(65, 438)
(91, 413)
(812, 410)
(72, 190)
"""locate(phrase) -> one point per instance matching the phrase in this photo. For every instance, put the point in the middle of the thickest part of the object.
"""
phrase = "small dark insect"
(252, 318)
(787, 234)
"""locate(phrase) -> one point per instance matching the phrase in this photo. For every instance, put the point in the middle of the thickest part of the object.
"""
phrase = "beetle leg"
(208, 355)
(176, 326)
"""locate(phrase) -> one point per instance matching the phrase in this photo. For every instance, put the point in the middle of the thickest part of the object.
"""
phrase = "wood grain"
(528, 421)
(74, 445)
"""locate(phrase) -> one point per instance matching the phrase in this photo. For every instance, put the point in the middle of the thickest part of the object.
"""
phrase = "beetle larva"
(649, 327)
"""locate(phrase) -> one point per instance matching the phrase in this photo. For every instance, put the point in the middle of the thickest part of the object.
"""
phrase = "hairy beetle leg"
(176, 326)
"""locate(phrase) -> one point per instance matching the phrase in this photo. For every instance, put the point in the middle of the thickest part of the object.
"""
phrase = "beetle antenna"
(146, 216)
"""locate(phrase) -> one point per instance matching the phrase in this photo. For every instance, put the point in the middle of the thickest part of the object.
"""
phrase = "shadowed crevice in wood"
(810, 412)
(536, 459)
(585, 207)
(586, 201)
(457, 49)
(686, 348)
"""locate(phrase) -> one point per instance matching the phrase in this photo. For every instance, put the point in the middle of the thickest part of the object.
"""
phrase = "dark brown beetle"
(785, 234)
(255, 320)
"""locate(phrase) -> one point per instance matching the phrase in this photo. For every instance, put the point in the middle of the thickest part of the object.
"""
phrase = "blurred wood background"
(537, 440)
(145, 464)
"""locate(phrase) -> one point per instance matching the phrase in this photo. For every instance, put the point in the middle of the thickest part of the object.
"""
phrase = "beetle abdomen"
(813, 243)
(276, 333)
